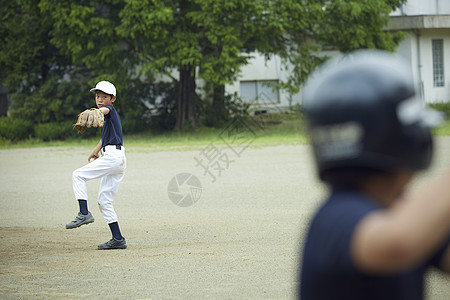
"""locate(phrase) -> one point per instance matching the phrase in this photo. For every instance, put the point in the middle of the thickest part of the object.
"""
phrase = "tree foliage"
(199, 37)
(367, 18)
(85, 31)
(31, 67)
(53, 51)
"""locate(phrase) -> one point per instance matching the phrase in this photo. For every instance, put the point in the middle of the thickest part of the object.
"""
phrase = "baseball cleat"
(80, 220)
(113, 244)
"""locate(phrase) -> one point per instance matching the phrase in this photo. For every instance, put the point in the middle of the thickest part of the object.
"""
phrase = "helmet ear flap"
(418, 146)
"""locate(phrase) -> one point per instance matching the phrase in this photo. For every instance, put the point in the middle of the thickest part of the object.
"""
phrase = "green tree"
(53, 48)
(213, 39)
(367, 19)
(31, 67)
(300, 30)
(203, 38)
(85, 31)
(226, 40)
(165, 41)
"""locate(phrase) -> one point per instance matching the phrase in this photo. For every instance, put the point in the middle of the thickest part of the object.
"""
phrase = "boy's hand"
(93, 156)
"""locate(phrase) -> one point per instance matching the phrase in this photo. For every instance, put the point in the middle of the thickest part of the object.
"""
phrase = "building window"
(259, 91)
(438, 62)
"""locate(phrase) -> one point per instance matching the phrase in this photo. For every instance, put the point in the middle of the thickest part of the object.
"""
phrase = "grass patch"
(258, 131)
(443, 129)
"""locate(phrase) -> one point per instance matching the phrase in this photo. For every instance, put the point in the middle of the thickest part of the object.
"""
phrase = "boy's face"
(102, 99)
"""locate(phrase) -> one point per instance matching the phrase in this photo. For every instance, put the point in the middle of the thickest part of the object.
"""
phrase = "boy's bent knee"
(77, 176)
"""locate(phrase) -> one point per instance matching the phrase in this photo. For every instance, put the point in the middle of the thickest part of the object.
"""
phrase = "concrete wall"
(424, 7)
(431, 93)
(260, 69)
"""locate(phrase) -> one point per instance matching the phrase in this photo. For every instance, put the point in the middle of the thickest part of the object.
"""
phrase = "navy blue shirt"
(112, 128)
(328, 271)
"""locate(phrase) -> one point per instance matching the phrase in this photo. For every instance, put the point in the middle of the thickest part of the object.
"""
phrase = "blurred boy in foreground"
(370, 135)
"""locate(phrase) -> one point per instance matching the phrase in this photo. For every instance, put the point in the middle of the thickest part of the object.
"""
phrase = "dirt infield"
(240, 240)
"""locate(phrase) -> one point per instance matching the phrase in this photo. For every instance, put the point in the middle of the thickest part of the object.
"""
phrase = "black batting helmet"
(363, 114)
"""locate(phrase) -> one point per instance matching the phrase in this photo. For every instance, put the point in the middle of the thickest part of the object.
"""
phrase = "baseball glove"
(92, 117)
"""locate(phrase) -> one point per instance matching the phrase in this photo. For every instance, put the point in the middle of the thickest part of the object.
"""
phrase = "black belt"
(118, 147)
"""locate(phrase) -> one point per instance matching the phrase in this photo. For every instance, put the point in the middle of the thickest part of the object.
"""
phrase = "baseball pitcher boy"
(370, 134)
(109, 164)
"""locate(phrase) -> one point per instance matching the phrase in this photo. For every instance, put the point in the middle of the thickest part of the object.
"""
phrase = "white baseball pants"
(111, 167)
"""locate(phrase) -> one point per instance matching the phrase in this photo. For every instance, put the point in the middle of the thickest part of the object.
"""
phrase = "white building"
(426, 47)
(255, 85)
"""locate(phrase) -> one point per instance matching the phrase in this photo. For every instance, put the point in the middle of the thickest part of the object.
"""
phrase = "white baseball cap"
(106, 87)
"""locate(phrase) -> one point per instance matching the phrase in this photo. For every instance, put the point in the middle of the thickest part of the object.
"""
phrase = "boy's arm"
(94, 154)
(104, 110)
(406, 233)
